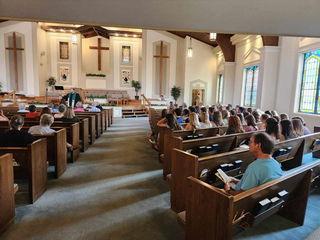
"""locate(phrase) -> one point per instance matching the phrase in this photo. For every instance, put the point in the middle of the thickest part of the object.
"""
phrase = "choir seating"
(31, 166)
(7, 210)
(214, 214)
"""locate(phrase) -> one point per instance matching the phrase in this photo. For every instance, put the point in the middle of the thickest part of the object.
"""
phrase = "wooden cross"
(161, 57)
(99, 48)
(15, 58)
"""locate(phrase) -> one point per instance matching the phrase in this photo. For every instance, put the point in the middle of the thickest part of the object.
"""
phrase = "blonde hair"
(194, 120)
(69, 113)
(46, 120)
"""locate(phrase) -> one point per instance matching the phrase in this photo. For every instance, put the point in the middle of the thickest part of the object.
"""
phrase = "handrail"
(145, 100)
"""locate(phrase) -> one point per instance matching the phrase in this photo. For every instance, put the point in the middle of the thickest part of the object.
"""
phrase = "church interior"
(122, 120)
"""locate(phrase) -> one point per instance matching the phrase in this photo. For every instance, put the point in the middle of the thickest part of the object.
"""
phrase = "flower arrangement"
(51, 81)
(96, 75)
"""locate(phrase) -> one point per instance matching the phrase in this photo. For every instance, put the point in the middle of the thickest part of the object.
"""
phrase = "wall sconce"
(190, 50)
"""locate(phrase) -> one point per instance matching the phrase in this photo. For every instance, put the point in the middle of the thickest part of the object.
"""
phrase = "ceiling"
(203, 37)
(272, 17)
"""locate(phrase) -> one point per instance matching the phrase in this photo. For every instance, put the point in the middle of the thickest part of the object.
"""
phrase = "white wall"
(28, 29)
(150, 37)
(201, 67)
(247, 53)
(74, 57)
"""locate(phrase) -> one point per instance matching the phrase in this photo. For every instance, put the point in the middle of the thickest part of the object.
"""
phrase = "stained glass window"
(220, 88)
(250, 75)
(309, 93)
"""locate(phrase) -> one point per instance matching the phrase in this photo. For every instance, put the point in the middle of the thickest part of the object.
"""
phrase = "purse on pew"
(281, 153)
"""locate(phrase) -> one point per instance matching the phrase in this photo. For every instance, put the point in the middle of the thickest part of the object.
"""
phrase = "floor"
(115, 191)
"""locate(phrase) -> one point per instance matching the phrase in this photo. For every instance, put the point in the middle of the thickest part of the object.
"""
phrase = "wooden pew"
(185, 164)
(226, 144)
(98, 125)
(214, 214)
(110, 115)
(56, 148)
(91, 125)
(32, 166)
(7, 210)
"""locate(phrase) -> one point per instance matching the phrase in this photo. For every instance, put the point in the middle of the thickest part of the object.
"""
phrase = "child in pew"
(251, 124)
(32, 112)
(45, 110)
(262, 170)
(70, 116)
(79, 107)
(306, 130)
(286, 130)
(15, 137)
(62, 109)
(273, 129)
(234, 125)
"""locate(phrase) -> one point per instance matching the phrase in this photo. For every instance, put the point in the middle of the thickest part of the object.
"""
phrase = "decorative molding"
(243, 39)
(251, 52)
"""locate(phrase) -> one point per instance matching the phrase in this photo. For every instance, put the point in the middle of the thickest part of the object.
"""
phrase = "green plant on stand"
(175, 93)
(137, 86)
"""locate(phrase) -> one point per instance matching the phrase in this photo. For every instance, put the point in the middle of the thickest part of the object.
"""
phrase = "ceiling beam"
(270, 40)
(228, 50)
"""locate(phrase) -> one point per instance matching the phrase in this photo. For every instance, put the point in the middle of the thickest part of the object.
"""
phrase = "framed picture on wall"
(64, 51)
(125, 77)
(64, 71)
(126, 55)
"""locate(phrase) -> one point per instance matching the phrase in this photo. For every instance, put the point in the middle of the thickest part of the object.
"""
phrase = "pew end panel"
(7, 203)
(183, 166)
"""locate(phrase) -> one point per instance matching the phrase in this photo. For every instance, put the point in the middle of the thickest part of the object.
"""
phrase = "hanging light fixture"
(74, 39)
(190, 50)
(212, 36)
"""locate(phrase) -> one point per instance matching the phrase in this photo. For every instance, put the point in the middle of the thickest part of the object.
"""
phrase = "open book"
(225, 178)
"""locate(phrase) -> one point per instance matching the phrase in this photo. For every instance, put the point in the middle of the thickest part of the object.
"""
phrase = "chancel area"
(158, 126)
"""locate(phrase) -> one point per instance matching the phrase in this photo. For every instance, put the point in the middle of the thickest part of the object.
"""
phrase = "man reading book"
(263, 169)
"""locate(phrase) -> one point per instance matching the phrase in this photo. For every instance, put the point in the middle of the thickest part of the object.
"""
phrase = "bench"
(7, 203)
(31, 166)
(214, 214)
(185, 164)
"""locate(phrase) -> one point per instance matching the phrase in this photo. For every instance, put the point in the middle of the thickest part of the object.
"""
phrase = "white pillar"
(268, 76)
(229, 75)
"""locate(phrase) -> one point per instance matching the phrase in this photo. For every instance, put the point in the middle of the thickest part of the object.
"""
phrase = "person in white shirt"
(94, 108)
(46, 121)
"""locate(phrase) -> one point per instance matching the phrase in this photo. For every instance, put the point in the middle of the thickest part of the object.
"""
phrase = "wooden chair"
(31, 166)
(7, 211)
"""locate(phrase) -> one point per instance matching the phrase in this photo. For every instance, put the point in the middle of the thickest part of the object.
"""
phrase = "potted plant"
(51, 82)
(175, 93)
(137, 86)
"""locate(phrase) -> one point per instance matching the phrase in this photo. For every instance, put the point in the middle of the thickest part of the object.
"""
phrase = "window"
(309, 92)
(220, 89)
(250, 75)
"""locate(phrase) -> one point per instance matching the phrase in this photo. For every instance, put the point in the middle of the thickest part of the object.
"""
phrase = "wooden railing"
(145, 101)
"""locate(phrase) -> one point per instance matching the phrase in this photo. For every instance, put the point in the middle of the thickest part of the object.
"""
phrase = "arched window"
(250, 75)
(309, 92)
(220, 89)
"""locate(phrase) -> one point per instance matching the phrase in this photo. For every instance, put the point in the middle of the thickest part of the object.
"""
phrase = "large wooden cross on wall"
(15, 50)
(99, 48)
(161, 58)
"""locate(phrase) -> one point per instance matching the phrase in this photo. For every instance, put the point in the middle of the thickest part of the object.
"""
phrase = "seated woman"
(286, 130)
(297, 127)
(169, 121)
(306, 130)
(225, 116)
(273, 129)
(262, 170)
(193, 122)
(15, 137)
(32, 112)
(46, 121)
(79, 107)
(203, 112)
(217, 119)
(263, 120)
(185, 115)
(3, 117)
(206, 122)
(70, 116)
(62, 109)
(234, 125)
(251, 124)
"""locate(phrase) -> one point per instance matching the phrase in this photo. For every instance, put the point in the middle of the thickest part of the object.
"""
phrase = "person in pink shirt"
(79, 107)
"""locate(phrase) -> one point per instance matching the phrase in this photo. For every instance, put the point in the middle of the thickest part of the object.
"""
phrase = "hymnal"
(225, 178)
(262, 206)
(283, 195)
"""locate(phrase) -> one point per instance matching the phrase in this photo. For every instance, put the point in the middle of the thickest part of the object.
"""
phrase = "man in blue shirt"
(263, 169)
